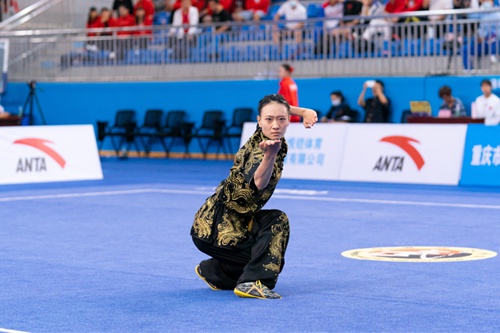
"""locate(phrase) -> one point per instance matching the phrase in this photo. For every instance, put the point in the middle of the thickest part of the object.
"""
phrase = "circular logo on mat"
(419, 254)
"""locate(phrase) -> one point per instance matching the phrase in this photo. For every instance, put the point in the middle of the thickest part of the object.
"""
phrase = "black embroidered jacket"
(226, 217)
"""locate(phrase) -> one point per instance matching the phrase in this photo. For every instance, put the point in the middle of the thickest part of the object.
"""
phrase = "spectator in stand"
(219, 16)
(148, 6)
(334, 11)
(126, 3)
(124, 42)
(437, 5)
(253, 10)
(105, 21)
(351, 8)
(451, 105)
(291, 10)
(376, 26)
(124, 19)
(184, 28)
(377, 108)
(142, 20)
(288, 88)
(340, 112)
(93, 21)
(487, 105)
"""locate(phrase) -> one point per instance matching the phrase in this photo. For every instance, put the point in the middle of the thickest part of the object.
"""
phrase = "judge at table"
(487, 105)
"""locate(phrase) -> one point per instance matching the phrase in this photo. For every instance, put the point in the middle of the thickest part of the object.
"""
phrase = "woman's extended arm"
(264, 172)
(309, 116)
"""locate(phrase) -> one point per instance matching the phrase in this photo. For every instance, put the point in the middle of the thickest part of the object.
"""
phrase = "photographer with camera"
(377, 108)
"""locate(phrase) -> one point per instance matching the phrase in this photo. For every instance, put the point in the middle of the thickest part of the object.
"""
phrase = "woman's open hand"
(270, 147)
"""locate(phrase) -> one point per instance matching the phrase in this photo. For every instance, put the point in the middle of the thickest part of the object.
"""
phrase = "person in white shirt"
(293, 11)
(334, 10)
(376, 26)
(487, 106)
(185, 20)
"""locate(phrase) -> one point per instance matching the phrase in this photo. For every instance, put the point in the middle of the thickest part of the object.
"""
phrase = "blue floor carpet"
(116, 256)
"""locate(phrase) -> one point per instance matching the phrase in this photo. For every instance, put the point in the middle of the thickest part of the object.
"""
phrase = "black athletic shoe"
(255, 290)
(197, 269)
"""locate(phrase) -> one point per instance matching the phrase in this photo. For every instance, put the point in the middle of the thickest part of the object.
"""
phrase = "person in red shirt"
(142, 20)
(124, 20)
(124, 42)
(148, 6)
(288, 88)
(253, 10)
(93, 21)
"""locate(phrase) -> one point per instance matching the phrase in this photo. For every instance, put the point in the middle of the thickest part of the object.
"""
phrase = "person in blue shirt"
(453, 104)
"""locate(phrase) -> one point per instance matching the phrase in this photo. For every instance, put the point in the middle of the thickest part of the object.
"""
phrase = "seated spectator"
(201, 5)
(291, 10)
(123, 43)
(376, 26)
(334, 10)
(184, 28)
(124, 19)
(351, 8)
(218, 17)
(105, 21)
(126, 3)
(377, 108)
(437, 5)
(185, 20)
(141, 20)
(253, 10)
(148, 6)
(487, 105)
(340, 111)
(451, 105)
(485, 43)
(93, 21)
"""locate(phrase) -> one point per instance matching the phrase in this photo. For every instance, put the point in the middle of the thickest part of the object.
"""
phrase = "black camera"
(32, 84)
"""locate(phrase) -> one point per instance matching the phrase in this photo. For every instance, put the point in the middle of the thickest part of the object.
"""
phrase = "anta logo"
(37, 164)
(396, 163)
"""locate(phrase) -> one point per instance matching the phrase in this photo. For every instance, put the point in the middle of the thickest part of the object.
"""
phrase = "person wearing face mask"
(339, 112)
(294, 12)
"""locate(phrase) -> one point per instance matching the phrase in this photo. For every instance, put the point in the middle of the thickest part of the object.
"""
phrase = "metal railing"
(404, 44)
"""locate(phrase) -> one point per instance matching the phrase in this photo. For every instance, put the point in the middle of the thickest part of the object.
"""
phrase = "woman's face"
(140, 13)
(93, 14)
(104, 15)
(274, 120)
(282, 72)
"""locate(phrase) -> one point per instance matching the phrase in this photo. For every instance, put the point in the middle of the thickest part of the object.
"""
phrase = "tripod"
(30, 101)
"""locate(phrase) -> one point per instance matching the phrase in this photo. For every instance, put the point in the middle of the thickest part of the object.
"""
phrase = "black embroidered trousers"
(263, 260)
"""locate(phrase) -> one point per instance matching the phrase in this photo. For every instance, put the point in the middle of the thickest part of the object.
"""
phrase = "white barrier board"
(32, 154)
(423, 154)
(312, 153)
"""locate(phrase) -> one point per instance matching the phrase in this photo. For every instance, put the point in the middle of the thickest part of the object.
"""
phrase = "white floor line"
(276, 196)
(5, 330)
